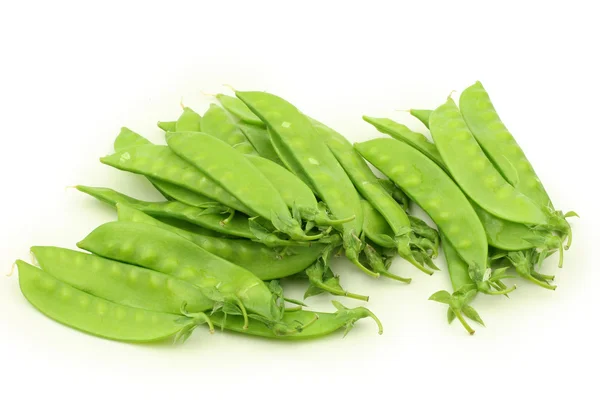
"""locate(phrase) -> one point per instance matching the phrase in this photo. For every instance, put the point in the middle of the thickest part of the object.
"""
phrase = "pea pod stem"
(463, 321)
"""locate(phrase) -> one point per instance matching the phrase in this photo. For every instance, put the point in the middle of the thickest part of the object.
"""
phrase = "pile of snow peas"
(256, 192)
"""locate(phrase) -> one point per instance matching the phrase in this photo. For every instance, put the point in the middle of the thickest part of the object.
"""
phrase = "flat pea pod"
(94, 315)
(218, 160)
(475, 173)
(262, 261)
(128, 139)
(189, 120)
(121, 283)
(436, 193)
(216, 122)
(402, 133)
(368, 186)
(167, 252)
(159, 162)
(422, 115)
(506, 154)
(299, 145)
(260, 140)
(237, 225)
(237, 108)
(501, 234)
(312, 327)
(294, 192)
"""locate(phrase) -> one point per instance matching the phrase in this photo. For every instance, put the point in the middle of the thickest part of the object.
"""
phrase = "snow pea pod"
(436, 193)
(475, 173)
(128, 139)
(260, 140)
(262, 261)
(402, 133)
(368, 186)
(237, 108)
(421, 115)
(94, 315)
(167, 252)
(294, 137)
(309, 326)
(161, 163)
(210, 219)
(218, 160)
(121, 283)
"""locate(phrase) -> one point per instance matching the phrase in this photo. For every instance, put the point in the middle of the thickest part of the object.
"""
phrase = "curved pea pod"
(128, 139)
(504, 234)
(294, 192)
(300, 148)
(422, 115)
(207, 221)
(260, 140)
(436, 193)
(94, 315)
(167, 252)
(121, 283)
(159, 162)
(189, 120)
(219, 161)
(216, 122)
(237, 108)
(503, 150)
(262, 261)
(402, 133)
(368, 186)
(379, 231)
(475, 173)
(311, 325)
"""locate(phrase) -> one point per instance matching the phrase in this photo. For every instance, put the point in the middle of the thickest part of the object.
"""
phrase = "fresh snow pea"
(161, 163)
(262, 261)
(209, 218)
(219, 161)
(167, 252)
(311, 327)
(421, 115)
(475, 173)
(294, 137)
(189, 120)
(94, 315)
(259, 138)
(128, 139)
(237, 108)
(368, 186)
(121, 283)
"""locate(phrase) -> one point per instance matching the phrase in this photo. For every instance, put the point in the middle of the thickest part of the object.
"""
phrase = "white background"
(72, 74)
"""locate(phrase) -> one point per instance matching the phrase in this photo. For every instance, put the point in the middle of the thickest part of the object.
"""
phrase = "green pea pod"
(217, 123)
(218, 160)
(503, 150)
(368, 186)
(210, 218)
(167, 126)
(475, 173)
(94, 315)
(436, 193)
(159, 162)
(128, 139)
(396, 193)
(312, 324)
(294, 192)
(402, 133)
(189, 120)
(300, 148)
(121, 283)
(167, 252)
(264, 262)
